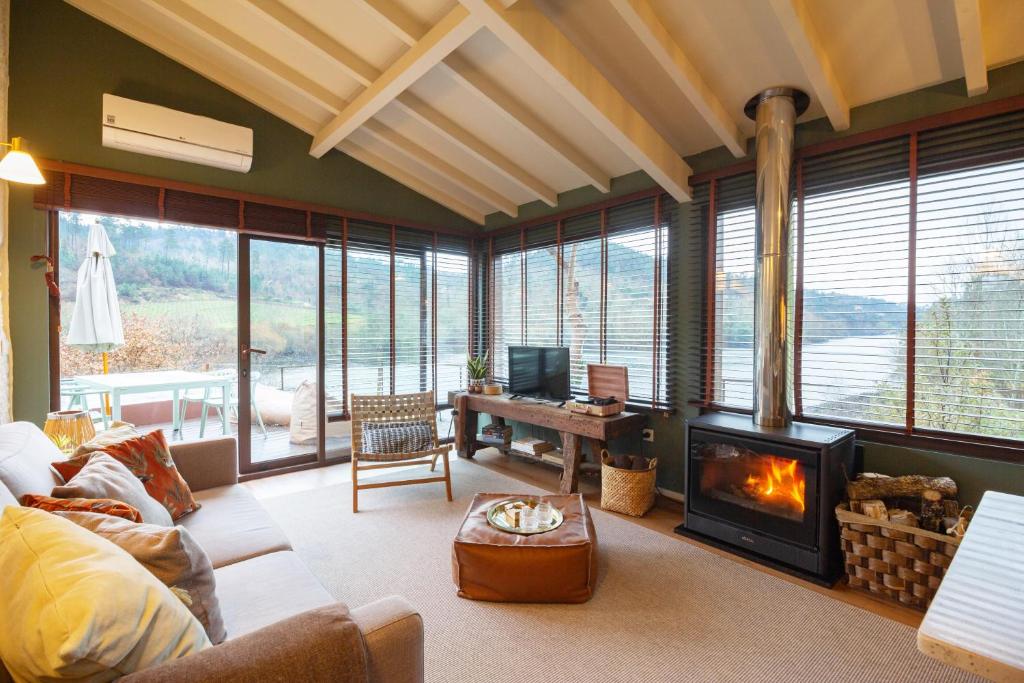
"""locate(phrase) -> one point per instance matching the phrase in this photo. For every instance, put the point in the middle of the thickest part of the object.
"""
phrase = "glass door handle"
(248, 350)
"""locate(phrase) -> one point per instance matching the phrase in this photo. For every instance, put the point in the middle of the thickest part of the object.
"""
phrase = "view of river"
(839, 367)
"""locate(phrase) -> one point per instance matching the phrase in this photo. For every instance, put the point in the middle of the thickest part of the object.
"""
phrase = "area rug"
(664, 609)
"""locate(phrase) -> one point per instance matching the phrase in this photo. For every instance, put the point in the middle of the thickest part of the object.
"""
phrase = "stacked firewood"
(912, 500)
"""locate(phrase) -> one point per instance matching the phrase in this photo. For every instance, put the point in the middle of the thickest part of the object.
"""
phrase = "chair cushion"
(397, 437)
(105, 477)
(25, 457)
(149, 459)
(100, 506)
(233, 526)
(265, 590)
(84, 609)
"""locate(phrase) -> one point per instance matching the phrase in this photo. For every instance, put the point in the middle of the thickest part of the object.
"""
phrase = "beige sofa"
(279, 618)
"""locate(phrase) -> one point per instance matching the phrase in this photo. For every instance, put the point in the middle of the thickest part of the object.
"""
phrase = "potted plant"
(476, 366)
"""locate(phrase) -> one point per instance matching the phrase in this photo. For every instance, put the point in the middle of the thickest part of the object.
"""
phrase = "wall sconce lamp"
(18, 166)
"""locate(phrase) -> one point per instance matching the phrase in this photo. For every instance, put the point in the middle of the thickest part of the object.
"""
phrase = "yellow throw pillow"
(83, 609)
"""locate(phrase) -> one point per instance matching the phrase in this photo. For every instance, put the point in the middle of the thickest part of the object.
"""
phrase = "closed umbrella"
(96, 319)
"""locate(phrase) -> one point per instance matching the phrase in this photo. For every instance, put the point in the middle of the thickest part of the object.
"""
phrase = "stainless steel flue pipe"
(774, 111)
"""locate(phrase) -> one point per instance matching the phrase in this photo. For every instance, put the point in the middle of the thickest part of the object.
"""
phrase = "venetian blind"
(398, 311)
(969, 327)
(908, 283)
(596, 283)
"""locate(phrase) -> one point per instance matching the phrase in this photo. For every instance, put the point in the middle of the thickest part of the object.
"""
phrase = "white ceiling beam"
(428, 159)
(162, 43)
(191, 19)
(351, 63)
(476, 148)
(397, 174)
(810, 52)
(529, 34)
(454, 29)
(366, 74)
(972, 49)
(512, 110)
(641, 18)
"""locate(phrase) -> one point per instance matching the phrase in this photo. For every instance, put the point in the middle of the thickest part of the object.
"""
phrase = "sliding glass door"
(280, 321)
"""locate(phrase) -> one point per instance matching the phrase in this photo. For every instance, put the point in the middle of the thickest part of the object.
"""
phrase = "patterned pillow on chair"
(397, 437)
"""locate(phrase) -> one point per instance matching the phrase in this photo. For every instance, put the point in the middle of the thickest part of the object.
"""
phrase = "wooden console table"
(976, 619)
(572, 427)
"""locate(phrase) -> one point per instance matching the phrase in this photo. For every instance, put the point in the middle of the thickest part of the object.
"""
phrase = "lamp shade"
(18, 166)
(69, 429)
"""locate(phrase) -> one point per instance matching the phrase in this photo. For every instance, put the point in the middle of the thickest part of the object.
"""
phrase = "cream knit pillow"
(82, 609)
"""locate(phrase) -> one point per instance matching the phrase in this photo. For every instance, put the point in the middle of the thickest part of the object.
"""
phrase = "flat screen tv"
(540, 371)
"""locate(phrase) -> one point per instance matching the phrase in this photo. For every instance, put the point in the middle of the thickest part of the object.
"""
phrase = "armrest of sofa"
(393, 632)
(207, 463)
(320, 646)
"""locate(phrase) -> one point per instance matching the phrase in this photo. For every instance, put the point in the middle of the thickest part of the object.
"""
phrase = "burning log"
(910, 486)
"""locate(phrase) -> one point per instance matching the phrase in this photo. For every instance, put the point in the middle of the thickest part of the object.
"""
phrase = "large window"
(397, 316)
(907, 268)
(596, 283)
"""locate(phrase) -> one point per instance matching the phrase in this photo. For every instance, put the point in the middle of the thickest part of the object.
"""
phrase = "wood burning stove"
(768, 492)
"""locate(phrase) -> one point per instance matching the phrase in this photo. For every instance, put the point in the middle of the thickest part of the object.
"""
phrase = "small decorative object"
(525, 516)
(932, 510)
(875, 509)
(69, 429)
(904, 517)
(628, 489)
(476, 366)
(493, 389)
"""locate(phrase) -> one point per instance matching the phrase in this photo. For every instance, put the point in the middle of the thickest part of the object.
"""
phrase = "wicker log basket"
(898, 562)
(629, 491)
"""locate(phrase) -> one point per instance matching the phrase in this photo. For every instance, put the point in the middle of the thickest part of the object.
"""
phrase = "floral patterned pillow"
(149, 459)
(103, 506)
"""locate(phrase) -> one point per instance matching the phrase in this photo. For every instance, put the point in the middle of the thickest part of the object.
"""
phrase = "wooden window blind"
(596, 282)
(907, 292)
(399, 321)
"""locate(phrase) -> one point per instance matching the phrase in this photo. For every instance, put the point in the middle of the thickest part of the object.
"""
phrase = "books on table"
(532, 446)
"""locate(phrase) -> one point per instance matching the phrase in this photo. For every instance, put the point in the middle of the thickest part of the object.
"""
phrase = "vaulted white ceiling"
(484, 105)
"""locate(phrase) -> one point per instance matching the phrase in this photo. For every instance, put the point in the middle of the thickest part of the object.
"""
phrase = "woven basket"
(630, 492)
(898, 562)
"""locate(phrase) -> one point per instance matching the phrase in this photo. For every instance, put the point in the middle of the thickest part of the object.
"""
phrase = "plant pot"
(476, 386)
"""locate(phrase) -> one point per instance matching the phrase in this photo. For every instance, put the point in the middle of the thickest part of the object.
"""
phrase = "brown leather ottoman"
(557, 566)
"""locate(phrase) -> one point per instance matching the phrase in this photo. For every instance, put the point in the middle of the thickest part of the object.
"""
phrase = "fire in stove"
(777, 481)
(760, 481)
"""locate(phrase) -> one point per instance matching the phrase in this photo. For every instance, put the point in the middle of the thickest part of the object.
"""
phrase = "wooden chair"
(391, 409)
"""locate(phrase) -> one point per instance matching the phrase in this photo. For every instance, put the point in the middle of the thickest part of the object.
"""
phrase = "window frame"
(908, 435)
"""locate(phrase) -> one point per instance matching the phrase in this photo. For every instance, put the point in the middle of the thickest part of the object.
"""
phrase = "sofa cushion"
(149, 458)
(171, 555)
(85, 610)
(104, 477)
(232, 526)
(102, 506)
(265, 590)
(25, 457)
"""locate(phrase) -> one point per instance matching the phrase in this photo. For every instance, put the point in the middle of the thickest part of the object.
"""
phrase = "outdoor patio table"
(175, 381)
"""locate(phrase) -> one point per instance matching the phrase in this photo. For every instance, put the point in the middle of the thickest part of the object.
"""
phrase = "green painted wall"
(974, 475)
(62, 61)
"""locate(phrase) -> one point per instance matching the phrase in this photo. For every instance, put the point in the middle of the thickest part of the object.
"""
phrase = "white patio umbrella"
(96, 319)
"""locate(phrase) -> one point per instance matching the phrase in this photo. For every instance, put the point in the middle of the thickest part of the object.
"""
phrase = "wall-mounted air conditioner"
(162, 132)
